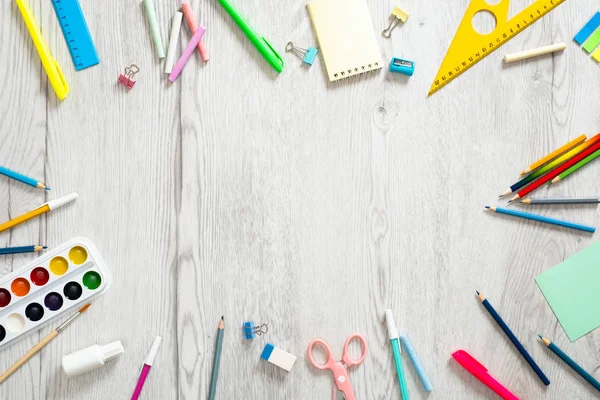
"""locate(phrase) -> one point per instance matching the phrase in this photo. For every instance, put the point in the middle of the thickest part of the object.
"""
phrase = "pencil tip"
(540, 336)
(487, 207)
(222, 318)
(44, 247)
(477, 291)
(47, 188)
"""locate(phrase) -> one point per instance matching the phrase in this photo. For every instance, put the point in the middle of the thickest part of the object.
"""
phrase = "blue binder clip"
(405, 67)
(251, 331)
(307, 55)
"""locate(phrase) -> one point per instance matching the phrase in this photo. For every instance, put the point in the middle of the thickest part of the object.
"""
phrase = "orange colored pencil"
(554, 154)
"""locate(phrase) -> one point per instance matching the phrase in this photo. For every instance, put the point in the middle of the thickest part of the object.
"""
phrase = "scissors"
(343, 387)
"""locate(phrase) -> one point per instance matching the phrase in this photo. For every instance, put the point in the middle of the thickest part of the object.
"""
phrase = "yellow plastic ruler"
(469, 46)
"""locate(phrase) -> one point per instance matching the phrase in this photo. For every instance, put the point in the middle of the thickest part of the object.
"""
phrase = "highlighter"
(262, 45)
(480, 372)
(55, 75)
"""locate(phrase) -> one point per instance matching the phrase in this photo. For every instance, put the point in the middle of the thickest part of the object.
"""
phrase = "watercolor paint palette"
(63, 279)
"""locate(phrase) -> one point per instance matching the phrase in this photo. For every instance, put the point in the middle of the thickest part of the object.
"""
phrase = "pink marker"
(480, 372)
(191, 20)
(146, 368)
(187, 53)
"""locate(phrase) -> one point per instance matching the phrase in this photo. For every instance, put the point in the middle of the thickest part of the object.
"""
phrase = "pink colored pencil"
(187, 53)
(146, 368)
(191, 20)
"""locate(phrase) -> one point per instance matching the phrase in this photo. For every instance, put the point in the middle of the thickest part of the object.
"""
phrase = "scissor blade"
(339, 395)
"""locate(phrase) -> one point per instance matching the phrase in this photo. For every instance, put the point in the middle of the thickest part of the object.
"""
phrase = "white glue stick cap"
(90, 358)
(391, 325)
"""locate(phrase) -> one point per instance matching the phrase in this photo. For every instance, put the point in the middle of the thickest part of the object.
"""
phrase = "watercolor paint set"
(63, 279)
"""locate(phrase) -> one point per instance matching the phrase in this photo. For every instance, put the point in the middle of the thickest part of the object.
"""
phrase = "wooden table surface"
(285, 199)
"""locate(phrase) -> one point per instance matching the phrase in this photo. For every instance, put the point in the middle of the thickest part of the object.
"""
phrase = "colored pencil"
(44, 208)
(35, 349)
(540, 218)
(589, 200)
(554, 154)
(576, 167)
(22, 249)
(22, 178)
(513, 339)
(555, 172)
(217, 360)
(551, 165)
(584, 374)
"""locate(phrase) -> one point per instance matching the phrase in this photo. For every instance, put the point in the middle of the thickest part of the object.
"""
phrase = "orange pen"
(44, 208)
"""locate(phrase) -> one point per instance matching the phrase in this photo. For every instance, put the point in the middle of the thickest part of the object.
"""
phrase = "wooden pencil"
(514, 339)
(22, 249)
(217, 360)
(554, 154)
(589, 200)
(576, 167)
(576, 367)
(540, 218)
(555, 172)
(22, 178)
(552, 164)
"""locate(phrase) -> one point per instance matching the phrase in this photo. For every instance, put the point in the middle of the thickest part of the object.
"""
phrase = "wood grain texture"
(289, 200)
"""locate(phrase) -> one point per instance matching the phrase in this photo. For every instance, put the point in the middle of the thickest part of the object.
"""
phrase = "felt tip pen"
(394, 341)
(146, 367)
(55, 75)
(262, 45)
(480, 372)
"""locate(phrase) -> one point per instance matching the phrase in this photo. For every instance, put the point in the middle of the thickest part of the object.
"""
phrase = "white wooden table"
(289, 200)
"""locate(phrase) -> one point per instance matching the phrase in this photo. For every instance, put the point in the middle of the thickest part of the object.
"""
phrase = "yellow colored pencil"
(554, 154)
(44, 208)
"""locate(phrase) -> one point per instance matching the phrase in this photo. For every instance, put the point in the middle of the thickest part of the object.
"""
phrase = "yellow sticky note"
(596, 55)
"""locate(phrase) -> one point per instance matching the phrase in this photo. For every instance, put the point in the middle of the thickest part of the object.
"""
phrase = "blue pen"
(416, 363)
(584, 374)
(540, 218)
(22, 178)
(393, 334)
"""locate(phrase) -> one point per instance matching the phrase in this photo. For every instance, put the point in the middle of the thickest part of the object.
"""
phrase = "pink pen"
(191, 20)
(146, 368)
(480, 372)
(187, 53)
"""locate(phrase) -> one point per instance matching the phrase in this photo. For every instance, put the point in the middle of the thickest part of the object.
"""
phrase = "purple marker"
(187, 53)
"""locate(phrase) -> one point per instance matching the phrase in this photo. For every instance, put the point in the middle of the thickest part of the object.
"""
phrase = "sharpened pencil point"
(540, 336)
(477, 291)
(487, 207)
(47, 188)
(44, 247)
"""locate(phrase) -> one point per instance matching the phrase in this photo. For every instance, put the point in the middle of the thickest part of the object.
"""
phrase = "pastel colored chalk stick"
(191, 20)
(187, 53)
(154, 28)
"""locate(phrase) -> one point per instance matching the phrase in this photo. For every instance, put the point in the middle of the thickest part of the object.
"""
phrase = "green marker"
(262, 45)
(393, 334)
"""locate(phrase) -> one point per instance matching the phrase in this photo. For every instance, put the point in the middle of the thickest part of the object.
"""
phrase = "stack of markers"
(551, 169)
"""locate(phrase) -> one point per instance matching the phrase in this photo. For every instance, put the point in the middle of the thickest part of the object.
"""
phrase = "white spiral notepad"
(346, 37)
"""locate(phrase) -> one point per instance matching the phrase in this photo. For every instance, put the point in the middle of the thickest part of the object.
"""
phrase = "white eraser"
(279, 357)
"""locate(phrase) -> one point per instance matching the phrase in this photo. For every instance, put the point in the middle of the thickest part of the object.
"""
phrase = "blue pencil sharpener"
(405, 67)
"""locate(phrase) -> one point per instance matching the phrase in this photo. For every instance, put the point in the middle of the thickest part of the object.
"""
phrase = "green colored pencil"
(217, 360)
(577, 166)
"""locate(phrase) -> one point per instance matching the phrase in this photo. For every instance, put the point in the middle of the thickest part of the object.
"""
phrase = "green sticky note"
(572, 289)
(592, 42)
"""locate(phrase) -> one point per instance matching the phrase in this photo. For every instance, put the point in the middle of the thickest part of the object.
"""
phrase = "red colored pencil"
(555, 172)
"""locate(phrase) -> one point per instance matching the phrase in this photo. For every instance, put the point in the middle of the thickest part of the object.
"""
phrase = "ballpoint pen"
(262, 45)
(393, 334)
(55, 75)
(44, 208)
(480, 372)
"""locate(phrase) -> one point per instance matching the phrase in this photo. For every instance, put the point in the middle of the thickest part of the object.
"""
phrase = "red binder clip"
(127, 79)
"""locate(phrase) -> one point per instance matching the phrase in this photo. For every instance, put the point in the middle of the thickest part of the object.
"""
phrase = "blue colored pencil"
(22, 178)
(514, 339)
(540, 218)
(584, 374)
(22, 249)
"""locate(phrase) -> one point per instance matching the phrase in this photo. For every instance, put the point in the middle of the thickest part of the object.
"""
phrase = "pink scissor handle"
(346, 356)
(330, 361)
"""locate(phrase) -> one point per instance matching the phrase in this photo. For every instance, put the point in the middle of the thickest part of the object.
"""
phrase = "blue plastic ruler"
(76, 32)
